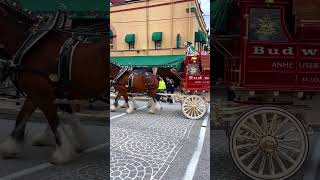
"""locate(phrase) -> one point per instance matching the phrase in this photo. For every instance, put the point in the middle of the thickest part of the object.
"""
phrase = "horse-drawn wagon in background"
(195, 85)
(270, 65)
(193, 72)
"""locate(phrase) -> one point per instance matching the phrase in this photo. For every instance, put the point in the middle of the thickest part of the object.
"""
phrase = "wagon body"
(269, 65)
(195, 85)
(272, 53)
(196, 73)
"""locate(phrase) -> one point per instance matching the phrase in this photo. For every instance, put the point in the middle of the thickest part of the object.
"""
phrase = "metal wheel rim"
(280, 129)
(194, 107)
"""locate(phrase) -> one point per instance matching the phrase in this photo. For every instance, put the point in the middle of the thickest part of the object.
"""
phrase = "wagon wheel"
(268, 143)
(194, 107)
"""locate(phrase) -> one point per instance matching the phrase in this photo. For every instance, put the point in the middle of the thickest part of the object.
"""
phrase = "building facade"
(156, 27)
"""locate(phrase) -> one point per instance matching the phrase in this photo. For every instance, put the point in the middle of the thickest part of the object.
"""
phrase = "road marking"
(43, 166)
(192, 165)
(119, 115)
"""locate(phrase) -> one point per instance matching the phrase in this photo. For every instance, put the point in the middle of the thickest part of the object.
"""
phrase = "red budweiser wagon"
(195, 85)
(270, 64)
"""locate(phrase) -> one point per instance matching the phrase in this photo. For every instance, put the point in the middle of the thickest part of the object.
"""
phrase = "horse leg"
(12, 146)
(65, 150)
(134, 103)
(124, 105)
(157, 105)
(114, 106)
(149, 103)
(152, 108)
(129, 104)
(79, 136)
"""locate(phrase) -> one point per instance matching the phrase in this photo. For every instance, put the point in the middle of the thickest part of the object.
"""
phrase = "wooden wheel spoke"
(271, 166)
(280, 163)
(247, 137)
(258, 126)
(250, 129)
(265, 124)
(287, 157)
(263, 163)
(290, 148)
(245, 156)
(255, 159)
(246, 145)
(286, 132)
(289, 140)
(275, 117)
(279, 127)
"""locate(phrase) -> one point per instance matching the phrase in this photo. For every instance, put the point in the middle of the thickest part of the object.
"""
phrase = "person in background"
(170, 90)
(162, 86)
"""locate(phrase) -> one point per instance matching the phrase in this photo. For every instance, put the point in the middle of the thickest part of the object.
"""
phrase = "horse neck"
(114, 71)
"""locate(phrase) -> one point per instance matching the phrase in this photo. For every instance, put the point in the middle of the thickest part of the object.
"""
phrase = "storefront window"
(265, 25)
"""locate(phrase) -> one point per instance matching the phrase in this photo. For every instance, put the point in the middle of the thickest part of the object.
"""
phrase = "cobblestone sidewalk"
(143, 145)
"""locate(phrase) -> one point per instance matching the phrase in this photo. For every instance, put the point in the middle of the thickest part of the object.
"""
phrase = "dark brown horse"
(140, 83)
(35, 76)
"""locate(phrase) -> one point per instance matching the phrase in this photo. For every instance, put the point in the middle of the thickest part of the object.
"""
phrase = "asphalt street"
(223, 167)
(142, 146)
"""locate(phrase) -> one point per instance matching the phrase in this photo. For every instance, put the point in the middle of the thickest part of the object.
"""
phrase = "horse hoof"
(113, 108)
(129, 111)
(158, 107)
(61, 156)
(10, 148)
(43, 140)
(151, 111)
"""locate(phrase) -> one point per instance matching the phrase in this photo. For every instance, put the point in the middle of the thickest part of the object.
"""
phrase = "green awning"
(200, 37)
(220, 10)
(157, 36)
(166, 61)
(78, 7)
(130, 38)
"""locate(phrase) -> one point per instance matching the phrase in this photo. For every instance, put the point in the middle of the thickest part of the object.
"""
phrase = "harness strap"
(120, 73)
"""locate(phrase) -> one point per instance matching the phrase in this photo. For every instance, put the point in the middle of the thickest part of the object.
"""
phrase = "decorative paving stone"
(131, 170)
(156, 147)
(120, 134)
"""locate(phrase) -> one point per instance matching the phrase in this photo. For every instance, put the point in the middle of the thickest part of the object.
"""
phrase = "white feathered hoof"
(150, 102)
(130, 109)
(10, 148)
(157, 107)
(152, 109)
(113, 108)
(124, 105)
(65, 152)
(46, 138)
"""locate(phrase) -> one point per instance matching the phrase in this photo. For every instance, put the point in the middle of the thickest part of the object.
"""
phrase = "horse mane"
(115, 64)
(13, 7)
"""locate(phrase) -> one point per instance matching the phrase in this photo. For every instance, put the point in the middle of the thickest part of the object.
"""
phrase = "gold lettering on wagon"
(283, 65)
(310, 79)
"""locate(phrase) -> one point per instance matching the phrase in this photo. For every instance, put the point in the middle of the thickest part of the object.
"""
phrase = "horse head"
(114, 69)
(15, 26)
